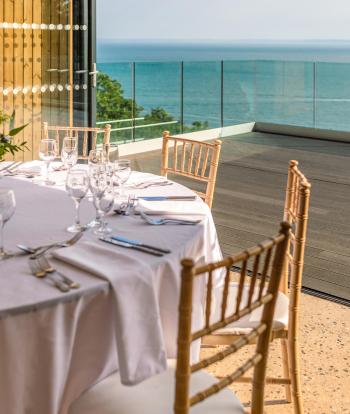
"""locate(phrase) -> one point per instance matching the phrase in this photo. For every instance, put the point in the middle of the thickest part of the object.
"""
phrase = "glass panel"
(202, 95)
(157, 96)
(239, 92)
(333, 96)
(114, 99)
(284, 93)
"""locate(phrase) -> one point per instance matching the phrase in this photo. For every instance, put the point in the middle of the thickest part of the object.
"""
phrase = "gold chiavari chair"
(81, 133)
(192, 159)
(170, 392)
(286, 320)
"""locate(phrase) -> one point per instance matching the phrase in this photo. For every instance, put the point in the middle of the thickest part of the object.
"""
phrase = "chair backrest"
(269, 256)
(193, 159)
(296, 213)
(81, 133)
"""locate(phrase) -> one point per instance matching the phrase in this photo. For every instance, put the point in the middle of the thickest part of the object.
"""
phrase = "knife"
(130, 246)
(138, 243)
(165, 198)
(10, 167)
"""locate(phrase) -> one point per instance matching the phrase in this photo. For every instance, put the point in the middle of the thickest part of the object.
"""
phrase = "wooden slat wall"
(37, 79)
(26, 54)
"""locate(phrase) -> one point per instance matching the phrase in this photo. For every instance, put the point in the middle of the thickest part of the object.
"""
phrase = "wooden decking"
(249, 198)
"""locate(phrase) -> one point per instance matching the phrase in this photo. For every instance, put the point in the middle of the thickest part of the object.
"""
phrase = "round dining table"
(55, 345)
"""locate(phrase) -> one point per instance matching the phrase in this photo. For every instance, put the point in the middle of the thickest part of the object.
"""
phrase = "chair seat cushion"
(250, 321)
(153, 396)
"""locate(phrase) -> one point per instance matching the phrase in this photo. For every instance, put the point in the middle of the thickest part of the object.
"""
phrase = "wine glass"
(69, 153)
(7, 209)
(96, 157)
(122, 172)
(47, 153)
(98, 184)
(104, 205)
(77, 185)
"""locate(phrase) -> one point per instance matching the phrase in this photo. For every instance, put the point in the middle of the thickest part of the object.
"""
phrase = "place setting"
(113, 189)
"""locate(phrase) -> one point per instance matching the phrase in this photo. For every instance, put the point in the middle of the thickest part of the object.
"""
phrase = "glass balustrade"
(151, 97)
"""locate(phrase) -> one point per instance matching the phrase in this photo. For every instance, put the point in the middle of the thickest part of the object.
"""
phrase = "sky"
(223, 19)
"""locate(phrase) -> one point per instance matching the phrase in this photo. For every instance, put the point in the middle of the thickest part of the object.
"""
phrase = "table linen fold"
(139, 338)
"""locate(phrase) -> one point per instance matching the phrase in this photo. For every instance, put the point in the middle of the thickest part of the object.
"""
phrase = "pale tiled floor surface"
(325, 347)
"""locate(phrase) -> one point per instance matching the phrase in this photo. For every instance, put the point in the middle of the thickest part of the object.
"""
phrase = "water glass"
(104, 205)
(98, 184)
(77, 186)
(96, 157)
(47, 153)
(7, 209)
(69, 153)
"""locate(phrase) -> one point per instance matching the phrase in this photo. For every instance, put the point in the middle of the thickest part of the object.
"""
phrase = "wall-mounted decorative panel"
(36, 68)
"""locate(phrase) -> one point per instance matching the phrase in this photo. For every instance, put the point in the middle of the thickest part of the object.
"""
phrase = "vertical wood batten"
(28, 79)
(37, 77)
(18, 69)
(8, 58)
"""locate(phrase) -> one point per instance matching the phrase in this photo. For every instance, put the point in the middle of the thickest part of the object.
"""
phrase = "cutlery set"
(41, 267)
(12, 170)
(136, 245)
(165, 220)
(153, 183)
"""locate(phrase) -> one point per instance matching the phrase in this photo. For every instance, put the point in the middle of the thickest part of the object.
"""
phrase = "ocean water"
(306, 84)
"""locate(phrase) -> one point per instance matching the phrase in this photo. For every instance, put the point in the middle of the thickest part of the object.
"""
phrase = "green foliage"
(111, 104)
(6, 144)
(158, 115)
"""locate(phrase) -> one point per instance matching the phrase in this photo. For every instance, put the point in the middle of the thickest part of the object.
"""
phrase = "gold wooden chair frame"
(82, 135)
(192, 162)
(296, 213)
(273, 250)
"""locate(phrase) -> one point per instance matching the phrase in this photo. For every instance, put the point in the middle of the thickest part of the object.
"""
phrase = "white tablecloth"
(53, 346)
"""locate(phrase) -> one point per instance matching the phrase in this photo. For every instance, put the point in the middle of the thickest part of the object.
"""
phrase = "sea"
(305, 83)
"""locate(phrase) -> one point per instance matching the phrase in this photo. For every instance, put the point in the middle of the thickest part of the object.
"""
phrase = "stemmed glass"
(47, 153)
(122, 171)
(104, 205)
(77, 186)
(7, 209)
(69, 153)
(98, 184)
(96, 157)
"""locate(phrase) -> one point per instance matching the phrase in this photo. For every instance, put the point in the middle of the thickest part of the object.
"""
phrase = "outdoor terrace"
(250, 192)
(248, 202)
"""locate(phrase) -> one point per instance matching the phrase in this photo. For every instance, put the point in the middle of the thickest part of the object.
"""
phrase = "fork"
(40, 273)
(48, 268)
(37, 251)
(159, 222)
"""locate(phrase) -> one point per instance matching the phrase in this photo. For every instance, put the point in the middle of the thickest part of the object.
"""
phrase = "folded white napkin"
(139, 337)
(173, 207)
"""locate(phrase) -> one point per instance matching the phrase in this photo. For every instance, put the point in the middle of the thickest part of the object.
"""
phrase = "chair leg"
(286, 370)
(294, 366)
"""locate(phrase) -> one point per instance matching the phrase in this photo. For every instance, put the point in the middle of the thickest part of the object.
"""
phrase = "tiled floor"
(325, 353)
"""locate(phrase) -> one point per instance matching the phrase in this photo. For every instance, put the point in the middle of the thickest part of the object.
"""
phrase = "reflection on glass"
(202, 95)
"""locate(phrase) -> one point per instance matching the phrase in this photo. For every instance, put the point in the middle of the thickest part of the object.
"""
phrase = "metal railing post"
(314, 107)
(182, 97)
(133, 91)
(222, 94)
